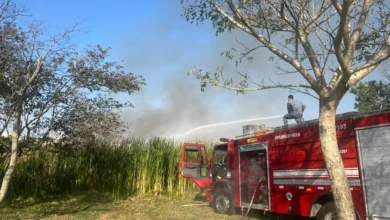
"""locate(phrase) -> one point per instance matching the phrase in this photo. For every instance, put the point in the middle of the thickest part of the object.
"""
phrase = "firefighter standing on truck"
(295, 110)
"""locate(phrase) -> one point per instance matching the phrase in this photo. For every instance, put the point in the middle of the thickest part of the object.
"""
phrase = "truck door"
(194, 164)
(254, 175)
(258, 170)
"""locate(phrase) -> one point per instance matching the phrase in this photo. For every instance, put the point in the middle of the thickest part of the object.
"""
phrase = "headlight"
(289, 196)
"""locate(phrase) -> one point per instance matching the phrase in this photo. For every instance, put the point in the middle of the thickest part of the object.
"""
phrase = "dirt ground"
(93, 205)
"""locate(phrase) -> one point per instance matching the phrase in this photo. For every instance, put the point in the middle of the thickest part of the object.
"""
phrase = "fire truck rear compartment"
(374, 147)
(253, 167)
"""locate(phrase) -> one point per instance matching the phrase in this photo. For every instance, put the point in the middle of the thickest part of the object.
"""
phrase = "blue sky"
(156, 42)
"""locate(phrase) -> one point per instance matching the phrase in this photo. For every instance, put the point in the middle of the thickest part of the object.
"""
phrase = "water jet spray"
(226, 123)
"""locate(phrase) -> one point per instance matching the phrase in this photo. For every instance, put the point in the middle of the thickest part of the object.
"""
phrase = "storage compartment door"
(374, 149)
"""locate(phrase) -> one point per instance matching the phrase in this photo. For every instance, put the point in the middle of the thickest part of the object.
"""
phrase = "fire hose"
(254, 193)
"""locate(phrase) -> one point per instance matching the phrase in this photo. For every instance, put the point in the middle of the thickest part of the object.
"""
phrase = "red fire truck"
(282, 170)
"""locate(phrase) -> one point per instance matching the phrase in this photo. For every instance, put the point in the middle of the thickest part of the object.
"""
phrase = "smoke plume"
(172, 103)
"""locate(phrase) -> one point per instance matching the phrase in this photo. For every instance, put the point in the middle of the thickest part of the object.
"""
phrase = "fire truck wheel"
(327, 212)
(223, 202)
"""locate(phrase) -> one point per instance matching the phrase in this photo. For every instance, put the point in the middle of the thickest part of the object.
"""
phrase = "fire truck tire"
(328, 212)
(223, 202)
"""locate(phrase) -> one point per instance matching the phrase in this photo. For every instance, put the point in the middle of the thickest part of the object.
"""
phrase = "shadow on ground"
(252, 214)
(94, 205)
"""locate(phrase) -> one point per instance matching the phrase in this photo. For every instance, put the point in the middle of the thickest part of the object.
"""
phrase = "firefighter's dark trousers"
(298, 118)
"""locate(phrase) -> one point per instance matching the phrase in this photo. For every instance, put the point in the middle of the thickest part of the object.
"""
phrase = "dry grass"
(93, 205)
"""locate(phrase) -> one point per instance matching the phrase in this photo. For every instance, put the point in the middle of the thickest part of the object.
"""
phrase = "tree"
(331, 44)
(372, 95)
(85, 120)
(53, 87)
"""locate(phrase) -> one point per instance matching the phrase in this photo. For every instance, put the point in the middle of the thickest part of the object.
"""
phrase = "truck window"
(203, 162)
(191, 154)
(220, 155)
(219, 162)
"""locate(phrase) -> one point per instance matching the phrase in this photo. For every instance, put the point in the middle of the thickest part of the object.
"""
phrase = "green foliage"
(5, 146)
(134, 167)
(93, 72)
(203, 11)
(198, 11)
(56, 87)
(371, 95)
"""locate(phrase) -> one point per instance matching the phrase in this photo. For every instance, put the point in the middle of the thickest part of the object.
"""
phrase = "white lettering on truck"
(284, 136)
(343, 151)
(341, 126)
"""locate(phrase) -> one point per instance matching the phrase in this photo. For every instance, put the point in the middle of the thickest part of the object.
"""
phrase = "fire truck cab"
(282, 170)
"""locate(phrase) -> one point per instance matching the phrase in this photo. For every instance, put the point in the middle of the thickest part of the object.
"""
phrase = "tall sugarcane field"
(137, 166)
(123, 174)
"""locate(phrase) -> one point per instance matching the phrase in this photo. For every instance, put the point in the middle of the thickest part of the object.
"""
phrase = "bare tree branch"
(269, 45)
(350, 49)
(338, 6)
(342, 33)
(314, 18)
(306, 92)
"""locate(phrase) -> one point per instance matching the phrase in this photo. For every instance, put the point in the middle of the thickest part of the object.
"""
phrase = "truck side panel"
(301, 170)
(302, 195)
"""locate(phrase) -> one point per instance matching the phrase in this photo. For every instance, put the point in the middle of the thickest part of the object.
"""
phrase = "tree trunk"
(14, 155)
(334, 163)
